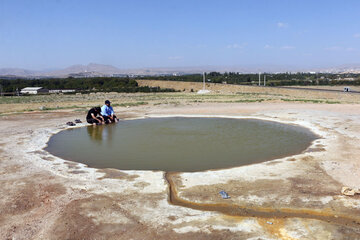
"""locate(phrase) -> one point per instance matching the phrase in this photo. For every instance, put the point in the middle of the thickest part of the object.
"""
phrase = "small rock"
(349, 191)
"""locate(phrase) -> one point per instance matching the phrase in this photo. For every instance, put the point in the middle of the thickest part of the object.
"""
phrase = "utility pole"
(264, 80)
(203, 80)
(259, 78)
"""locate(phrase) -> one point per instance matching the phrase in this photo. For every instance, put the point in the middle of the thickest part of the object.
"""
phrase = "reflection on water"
(180, 144)
(102, 133)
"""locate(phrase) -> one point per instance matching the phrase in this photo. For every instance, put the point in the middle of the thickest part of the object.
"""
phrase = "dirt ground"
(264, 93)
(339, 88)
(296, 197)
(220, 93)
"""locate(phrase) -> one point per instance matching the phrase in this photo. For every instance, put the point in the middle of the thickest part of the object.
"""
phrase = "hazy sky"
(40, 34)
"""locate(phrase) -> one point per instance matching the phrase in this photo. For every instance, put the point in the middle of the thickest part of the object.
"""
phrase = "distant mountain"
(16, 72)
(90, 70)
(97, 70)
(93, 68)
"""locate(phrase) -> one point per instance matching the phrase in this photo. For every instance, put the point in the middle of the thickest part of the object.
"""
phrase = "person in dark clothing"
(94, 117)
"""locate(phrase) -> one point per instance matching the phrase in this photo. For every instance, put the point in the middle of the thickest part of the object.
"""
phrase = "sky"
(50, 34)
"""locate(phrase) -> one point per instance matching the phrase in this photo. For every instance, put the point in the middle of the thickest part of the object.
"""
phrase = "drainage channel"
(258, 212)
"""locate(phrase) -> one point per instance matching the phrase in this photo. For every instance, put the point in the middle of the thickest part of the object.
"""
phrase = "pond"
(184, 144)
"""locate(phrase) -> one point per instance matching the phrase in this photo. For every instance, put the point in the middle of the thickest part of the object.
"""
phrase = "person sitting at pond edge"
(93, 118)
(108, 113)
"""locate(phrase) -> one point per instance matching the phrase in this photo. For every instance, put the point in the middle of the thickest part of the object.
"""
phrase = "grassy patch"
(310, 101)
(174, 102)
(249, 100)
(332, 102)
(59, 108)
(130, 104)
(302, 100)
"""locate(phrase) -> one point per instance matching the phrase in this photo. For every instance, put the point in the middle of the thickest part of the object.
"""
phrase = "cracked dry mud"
(296, 197)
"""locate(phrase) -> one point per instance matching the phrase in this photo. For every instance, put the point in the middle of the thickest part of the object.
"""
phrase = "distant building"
(62, 91)
(34, 90)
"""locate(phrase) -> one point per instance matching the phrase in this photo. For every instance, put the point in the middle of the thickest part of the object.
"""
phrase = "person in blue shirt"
(108, 113)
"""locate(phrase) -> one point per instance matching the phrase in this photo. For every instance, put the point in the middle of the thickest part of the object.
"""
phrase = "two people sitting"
(105, 114)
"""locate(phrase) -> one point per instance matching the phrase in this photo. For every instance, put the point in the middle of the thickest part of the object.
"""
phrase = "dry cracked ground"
(296, 197)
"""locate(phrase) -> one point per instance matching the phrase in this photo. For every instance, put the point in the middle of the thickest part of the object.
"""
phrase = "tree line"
(126, 84)
(272, 79)
(92, 84)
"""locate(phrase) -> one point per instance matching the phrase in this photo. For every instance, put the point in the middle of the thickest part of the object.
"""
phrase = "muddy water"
(180, 144)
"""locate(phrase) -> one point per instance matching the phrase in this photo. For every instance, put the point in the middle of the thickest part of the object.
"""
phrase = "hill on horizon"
(99, 70)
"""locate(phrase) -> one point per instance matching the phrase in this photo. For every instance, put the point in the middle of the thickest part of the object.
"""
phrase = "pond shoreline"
(192, 139)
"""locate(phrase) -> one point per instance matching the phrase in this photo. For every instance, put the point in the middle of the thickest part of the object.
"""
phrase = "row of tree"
(80, 84)
(279, 79)
(126, 84)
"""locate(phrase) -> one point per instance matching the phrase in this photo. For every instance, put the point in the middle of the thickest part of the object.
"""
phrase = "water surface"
(180, 144)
